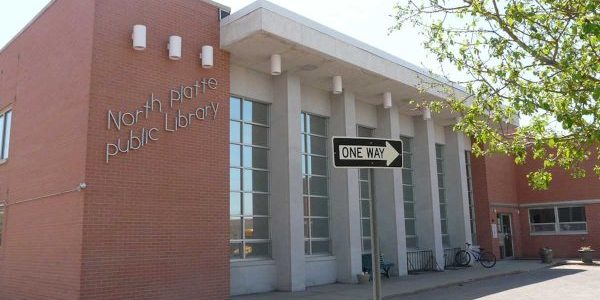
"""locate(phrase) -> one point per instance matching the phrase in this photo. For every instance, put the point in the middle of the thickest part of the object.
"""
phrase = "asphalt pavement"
(566, 282)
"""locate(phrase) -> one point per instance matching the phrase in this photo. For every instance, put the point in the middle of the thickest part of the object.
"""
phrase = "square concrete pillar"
(388, 197)
(457, 198)
(344, 200)
(287, 217)
(427, 201)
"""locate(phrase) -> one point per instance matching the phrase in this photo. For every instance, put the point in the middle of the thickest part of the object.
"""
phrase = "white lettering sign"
(137, 139)
(358, 152)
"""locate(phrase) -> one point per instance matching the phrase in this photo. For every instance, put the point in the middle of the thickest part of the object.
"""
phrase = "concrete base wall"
(320, 270)
(253, 277)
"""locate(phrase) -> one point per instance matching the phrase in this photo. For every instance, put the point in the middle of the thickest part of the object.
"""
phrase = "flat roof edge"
(217, 4)
(41, 12)
(27, 26)
(337, 35)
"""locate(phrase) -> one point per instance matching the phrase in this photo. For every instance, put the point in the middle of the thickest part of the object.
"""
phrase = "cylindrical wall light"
(139, 37)
(275, 64)
(387, 100)
(175, 47)
(207, 57)
(337, 85)
(426, 114)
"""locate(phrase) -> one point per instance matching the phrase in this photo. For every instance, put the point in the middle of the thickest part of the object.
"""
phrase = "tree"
(535, 60)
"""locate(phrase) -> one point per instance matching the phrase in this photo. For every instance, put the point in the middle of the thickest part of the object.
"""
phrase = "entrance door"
(505, 235)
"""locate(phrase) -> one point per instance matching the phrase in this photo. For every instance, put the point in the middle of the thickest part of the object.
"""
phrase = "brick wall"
(156, 219)
(152, 223)
(563, 245)
(493, 184)
(481, 201)
(502, 187)
(45, 75)
(563, 188)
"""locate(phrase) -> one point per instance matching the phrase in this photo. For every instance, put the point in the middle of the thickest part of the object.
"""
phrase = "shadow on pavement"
(485, 287)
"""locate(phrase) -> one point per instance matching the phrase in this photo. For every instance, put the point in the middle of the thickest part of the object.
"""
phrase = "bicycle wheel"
(462, 258)
(487, 259)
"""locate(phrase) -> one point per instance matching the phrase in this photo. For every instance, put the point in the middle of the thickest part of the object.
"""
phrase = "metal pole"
(376, 272)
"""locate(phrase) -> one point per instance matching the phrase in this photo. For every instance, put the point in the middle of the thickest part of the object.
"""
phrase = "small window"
(542, 220)
(572, 219)
(558, 220)
(5, 125)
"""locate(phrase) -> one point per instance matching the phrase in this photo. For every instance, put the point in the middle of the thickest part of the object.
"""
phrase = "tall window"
(249, 180)
(315, 184)
(439, 158)
(365, 181)
(470, 195)
(553, 220)
(408, 190)
(5, 124)
(1, 221)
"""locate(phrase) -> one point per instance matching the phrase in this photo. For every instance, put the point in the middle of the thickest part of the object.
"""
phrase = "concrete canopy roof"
(316, 53)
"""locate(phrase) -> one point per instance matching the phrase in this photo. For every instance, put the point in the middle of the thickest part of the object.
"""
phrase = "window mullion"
(556, 220)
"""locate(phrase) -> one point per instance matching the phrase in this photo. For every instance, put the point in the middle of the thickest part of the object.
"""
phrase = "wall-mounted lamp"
(139, 37)
(387, 100)
(175, 47)
(275, 64)
(426, 114)
(337, 85)
(207, 57)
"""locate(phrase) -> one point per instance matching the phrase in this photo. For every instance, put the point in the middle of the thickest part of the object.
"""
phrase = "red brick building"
(138, 230)
(513, 220)
(201, 168)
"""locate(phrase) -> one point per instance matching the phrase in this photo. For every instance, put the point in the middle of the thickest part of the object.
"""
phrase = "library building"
(175, 150)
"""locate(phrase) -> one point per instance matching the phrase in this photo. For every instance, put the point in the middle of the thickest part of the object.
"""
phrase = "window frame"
(365, 239)
(305, 152)
(3, 134)
(409, 151)
(242, 216)
(557, 230)
(441, 173)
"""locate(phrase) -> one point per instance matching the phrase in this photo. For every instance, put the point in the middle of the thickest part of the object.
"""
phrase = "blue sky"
(367, 21)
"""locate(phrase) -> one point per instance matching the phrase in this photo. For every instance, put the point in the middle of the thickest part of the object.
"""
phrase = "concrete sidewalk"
(405, 285)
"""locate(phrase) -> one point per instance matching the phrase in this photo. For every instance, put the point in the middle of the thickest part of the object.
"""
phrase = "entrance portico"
(311, 55)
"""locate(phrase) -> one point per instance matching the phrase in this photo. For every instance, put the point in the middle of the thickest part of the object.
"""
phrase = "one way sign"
(366, 153)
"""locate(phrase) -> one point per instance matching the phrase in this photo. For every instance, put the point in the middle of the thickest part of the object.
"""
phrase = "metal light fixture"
(426, 114)
(275, 64)
(139, 37)
(175, 43)
(337, 85)
(207, 57)
(387, 100)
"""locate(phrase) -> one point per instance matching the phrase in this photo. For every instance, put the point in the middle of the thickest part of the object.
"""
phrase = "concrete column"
(287, 212)
(345, 210)
(457, 198)
(389, 198)
(427, 201)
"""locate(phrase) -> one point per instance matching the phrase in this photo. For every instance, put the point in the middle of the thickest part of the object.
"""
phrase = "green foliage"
(537, 60)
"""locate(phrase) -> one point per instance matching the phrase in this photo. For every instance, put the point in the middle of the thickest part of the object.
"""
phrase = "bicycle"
(486, 258)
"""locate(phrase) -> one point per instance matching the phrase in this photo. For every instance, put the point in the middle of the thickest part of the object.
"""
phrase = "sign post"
(369, 153)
